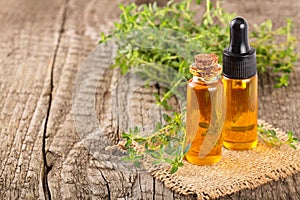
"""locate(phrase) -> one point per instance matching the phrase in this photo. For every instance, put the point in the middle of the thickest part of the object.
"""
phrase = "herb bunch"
(275, 47)
(273, 56)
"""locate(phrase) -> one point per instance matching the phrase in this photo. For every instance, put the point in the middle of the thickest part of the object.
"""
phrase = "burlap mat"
(237, 170)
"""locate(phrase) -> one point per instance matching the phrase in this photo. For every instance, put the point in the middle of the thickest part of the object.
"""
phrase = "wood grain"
(29, 38)
(42, 46)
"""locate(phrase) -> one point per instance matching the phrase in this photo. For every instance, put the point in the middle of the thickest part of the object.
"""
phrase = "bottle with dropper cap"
(240, 85)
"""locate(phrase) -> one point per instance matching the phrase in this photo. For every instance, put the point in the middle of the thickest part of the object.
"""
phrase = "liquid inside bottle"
(205, 115)
(240, 127)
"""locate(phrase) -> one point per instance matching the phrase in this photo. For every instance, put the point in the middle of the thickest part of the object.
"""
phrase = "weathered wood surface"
(43, 44)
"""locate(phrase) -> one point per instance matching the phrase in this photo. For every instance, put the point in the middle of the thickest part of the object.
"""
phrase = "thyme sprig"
(270, 136)
(164, 146)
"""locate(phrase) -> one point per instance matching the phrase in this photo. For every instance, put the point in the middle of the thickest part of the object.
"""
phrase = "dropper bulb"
(239, 36)
(239, 58)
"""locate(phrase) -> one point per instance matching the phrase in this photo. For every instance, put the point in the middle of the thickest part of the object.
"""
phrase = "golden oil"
(240, 127)
(205, 99)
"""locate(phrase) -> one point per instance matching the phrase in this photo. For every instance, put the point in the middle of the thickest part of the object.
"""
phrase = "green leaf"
(158, 126)
(168, 160)
(174, 169)
(156, 162)
(167, 118)
(140, 140)
(155, 155)
(293, 146)
(126, 158)
(131, 150)
(136, 130)
(128, 143)
(137, 164)
(125, 135)
(138, 158)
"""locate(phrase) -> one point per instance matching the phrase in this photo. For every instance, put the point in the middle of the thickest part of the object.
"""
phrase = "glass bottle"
(205, 111)
(240, 84)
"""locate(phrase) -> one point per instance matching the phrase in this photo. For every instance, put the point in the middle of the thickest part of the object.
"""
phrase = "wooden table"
(42, 44)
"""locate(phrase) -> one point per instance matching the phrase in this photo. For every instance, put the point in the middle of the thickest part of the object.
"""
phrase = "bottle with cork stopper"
(205, 111)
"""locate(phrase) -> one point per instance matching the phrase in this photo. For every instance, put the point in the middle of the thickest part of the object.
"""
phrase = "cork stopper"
(203, 60)
(206, 66)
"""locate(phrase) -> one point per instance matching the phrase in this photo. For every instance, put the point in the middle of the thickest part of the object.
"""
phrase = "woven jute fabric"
(237, 170)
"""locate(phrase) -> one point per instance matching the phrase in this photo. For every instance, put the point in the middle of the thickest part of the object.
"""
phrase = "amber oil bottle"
(205, 111)
(240, 85)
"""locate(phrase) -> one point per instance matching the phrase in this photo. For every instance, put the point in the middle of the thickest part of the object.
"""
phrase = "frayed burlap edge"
(236, 171)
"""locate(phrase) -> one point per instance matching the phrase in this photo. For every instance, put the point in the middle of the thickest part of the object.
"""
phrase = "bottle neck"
(200, 79)
(206, 74)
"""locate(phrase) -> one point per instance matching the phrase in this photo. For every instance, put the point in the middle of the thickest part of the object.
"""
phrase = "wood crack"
(12, 52)
(158, 88)
(153, 188)
(47, 168)
(140, 185)
(106, 183)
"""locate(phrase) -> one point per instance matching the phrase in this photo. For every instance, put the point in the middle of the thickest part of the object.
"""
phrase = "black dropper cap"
(239, 59)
